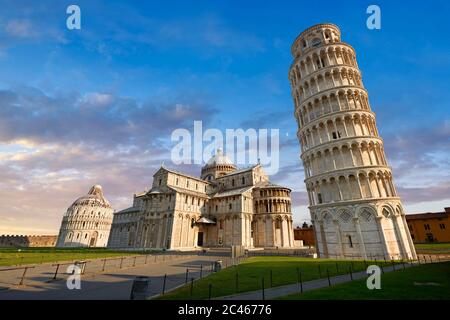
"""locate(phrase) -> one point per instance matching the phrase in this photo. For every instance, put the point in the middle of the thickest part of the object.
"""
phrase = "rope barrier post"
(187, 273)
(164, 284)
(121, 262)
(23, 276)
(299, 275)
(271, 280)
(263, 294)
(104, 264)
(328, 276)
(201, 271)
(350, 272)
(56, 272)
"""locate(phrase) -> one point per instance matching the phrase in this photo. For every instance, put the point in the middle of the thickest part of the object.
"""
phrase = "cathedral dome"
(217, 166)
(219, 159)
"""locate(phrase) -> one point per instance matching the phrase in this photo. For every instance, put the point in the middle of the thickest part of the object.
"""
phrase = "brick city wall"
(12, 241)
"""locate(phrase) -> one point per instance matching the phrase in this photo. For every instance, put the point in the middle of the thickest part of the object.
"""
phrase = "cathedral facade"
(355, 208)
(223, 207)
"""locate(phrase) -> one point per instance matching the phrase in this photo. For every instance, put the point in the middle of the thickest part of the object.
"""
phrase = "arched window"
(277, 224)
(243, 180)
(316, 42)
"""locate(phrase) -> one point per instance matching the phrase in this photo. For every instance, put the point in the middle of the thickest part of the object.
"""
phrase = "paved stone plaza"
(113, 283)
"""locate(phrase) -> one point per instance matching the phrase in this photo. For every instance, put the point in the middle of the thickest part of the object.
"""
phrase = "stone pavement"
(113, 283)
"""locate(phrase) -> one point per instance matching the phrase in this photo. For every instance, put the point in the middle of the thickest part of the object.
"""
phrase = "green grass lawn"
(431, 281)
(13, 256)
(433, 248)
(251, 272)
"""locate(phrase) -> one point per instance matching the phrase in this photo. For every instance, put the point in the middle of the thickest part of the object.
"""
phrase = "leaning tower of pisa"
(355, 209)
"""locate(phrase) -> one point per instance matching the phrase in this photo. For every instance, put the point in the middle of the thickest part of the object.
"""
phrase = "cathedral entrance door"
(200, 239)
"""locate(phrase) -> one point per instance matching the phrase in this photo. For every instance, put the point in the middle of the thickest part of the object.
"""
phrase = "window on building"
(334, 135)
(318, 64)
(350, 241)
(196, 186)
(316, 42)
(232, 182)
(192, 202)
(277, 224)
(243, 180)
(217, 208)
(187, 184)
(426, 226)
(176, 181)
(160, 181)
(319, 197)
(442, 226)
(186, 199)
(230, 206)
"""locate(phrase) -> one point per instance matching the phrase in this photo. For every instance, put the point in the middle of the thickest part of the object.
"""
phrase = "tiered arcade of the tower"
(354, 205)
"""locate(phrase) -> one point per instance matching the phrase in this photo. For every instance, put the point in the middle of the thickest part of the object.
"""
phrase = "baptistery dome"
(87, 221)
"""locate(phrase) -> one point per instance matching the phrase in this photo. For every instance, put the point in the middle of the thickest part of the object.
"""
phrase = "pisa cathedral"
(223, 207)
(354, 206)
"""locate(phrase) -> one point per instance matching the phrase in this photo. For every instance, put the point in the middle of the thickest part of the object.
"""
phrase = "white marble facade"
(87, 222)
(222, 207)
(355, 208)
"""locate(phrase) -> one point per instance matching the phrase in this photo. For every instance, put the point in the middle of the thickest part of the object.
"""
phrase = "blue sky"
(98, 105)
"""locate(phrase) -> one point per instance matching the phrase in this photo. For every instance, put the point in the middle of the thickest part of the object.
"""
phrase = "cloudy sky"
(98, 105)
